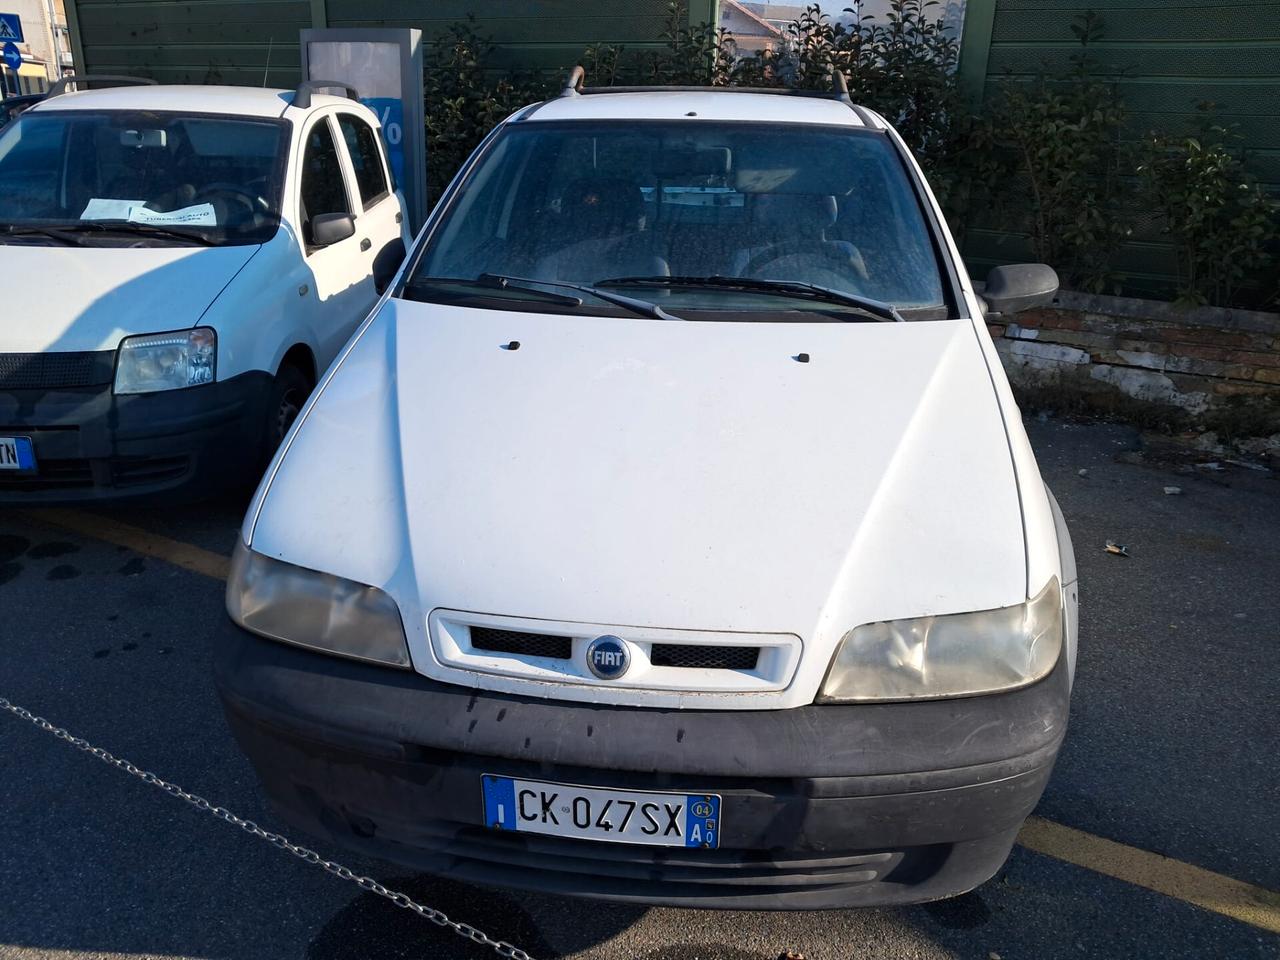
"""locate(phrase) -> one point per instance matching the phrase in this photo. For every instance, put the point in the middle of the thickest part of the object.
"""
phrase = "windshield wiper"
(876, 308)
(544, 295)
(642, 307)
(72, 233)
(24, 230)
(145, 229)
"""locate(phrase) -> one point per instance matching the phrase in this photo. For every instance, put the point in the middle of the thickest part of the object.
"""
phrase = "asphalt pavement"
(1172, 750)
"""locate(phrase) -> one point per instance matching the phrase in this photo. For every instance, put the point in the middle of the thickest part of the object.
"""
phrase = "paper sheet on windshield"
(101, 209)
(201, 214)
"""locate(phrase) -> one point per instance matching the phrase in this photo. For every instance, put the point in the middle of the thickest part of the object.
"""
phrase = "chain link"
(464, 930)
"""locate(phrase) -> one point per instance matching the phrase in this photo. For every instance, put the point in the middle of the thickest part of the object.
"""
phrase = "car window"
(110, 172)
(595, 201)
(323, 188)
(362, 146)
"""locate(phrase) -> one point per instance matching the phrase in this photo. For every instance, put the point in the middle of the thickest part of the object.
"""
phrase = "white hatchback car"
(190, 260)
(669, 533)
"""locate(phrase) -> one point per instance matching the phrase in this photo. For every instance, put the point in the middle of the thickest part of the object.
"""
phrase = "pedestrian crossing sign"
(10, 27)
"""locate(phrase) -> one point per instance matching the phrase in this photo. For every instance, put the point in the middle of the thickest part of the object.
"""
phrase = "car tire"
(288, 393)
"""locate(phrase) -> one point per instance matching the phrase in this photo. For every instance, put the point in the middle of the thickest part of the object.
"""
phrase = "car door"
(342, 278)
(381, 220)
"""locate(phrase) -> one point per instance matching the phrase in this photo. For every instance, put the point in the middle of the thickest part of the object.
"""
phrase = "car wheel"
(288, 394)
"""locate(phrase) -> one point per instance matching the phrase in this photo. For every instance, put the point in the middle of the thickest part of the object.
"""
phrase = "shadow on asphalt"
(372, 928)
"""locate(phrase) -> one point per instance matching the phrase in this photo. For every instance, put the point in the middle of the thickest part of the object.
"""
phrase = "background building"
(45, 48)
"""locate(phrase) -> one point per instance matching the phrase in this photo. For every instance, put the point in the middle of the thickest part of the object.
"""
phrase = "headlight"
(166, 361)
(317, 610)
(950, 656)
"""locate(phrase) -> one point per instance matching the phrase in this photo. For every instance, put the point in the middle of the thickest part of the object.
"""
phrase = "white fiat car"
(668, 533)
(183, 263)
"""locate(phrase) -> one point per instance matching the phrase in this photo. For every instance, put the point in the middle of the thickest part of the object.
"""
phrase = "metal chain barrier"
(501, 947)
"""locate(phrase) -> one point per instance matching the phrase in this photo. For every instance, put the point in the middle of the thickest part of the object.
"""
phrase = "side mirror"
(1020, 286)
(330, 228)
(386, 263)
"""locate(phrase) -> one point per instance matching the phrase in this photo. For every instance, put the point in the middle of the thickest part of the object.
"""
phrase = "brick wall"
(1204, 368)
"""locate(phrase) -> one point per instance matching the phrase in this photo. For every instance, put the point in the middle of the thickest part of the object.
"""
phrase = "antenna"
(270, 41)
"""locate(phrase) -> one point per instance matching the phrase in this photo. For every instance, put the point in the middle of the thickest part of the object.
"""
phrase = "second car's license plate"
(594, 813)
(16, 454)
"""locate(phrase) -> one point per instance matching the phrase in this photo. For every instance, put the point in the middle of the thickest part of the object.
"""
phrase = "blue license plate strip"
(598, 813)
(17, 453)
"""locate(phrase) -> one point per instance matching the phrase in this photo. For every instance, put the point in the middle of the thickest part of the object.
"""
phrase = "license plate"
(16, 453)
(593, 813)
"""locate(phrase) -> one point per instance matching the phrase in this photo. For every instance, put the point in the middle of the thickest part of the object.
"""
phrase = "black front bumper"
(91, 444)
(823, 806)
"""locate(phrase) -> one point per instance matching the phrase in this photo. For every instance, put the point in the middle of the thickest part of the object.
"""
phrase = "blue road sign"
(11, 27)
(12, 56)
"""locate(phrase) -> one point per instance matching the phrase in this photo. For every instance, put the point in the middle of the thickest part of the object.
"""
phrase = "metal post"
(975, 48)
(55, 49)
(77, 45)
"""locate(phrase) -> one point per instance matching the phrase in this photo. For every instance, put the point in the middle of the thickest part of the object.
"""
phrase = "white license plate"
(593, 813)
(16, 453)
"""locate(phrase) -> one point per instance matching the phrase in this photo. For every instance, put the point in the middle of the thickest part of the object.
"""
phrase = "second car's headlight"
(950, 656)
(312, 609)
(166, 361)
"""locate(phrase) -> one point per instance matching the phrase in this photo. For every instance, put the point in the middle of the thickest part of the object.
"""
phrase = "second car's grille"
(126, 471)
(704, 657)
(48, 371)
(525, 644)
(52, 474)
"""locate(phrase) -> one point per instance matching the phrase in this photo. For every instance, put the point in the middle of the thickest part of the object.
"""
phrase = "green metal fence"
(1166, 56)
(256, 41)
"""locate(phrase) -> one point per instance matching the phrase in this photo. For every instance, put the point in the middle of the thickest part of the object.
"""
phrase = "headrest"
(602, 204)
(807, 211)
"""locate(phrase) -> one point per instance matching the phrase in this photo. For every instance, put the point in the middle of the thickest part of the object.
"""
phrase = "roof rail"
(60, 86)
(574, 86)
(302, 95)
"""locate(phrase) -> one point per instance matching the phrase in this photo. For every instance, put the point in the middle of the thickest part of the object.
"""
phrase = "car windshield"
(675, 212)
(154, 178)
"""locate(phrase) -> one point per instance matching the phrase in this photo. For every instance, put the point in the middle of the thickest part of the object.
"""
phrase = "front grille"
(800, 878)
(524, 644)
(703, 657)
(48, 371)
(51, 475)
(687, 656)
(664, 871)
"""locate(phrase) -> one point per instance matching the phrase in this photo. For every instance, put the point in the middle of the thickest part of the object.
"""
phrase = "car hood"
(88, 298)
(679, 475)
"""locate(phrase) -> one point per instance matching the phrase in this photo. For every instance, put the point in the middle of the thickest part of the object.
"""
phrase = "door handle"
(365, 244)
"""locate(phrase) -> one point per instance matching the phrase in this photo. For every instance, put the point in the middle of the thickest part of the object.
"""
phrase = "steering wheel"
(836, 257)
(255, 202)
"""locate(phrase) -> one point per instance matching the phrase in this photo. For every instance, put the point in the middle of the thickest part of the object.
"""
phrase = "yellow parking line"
(149, 544)
(1211, 891)
(1241, 901)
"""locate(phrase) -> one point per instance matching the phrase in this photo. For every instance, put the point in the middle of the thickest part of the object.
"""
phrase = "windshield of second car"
(593, 202)
(149, 177)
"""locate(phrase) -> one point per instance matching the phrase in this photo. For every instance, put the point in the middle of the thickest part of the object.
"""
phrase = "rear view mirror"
(331, 228)
(1020, 286)
(144, 138)
(677, 163)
